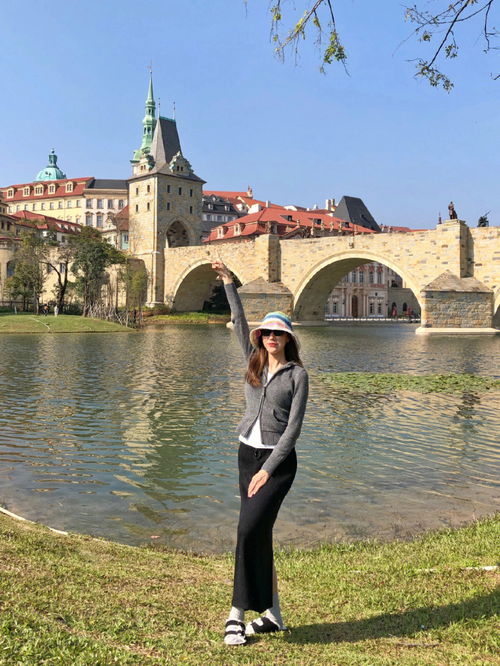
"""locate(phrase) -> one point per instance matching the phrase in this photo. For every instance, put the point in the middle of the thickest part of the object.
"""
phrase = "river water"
(130, 436)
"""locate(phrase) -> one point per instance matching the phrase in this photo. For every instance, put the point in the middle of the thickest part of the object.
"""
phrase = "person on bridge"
(276, 391)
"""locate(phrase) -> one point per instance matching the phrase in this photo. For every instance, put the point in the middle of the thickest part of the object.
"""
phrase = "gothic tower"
(165, 199)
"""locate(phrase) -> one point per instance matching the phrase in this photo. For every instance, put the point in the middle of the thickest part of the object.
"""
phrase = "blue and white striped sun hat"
(274, 321)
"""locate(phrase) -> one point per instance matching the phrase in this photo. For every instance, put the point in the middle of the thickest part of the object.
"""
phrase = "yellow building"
(86, 201)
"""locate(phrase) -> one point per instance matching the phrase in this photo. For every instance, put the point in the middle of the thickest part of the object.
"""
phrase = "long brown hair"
(259, 358)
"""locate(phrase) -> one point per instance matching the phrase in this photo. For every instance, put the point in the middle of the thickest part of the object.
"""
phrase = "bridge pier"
(453, 304)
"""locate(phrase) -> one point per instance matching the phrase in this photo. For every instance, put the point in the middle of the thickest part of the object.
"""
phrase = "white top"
(254, 437)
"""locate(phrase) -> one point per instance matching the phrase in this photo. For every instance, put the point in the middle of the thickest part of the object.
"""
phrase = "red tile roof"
(79, 185)
(286, 221)
(46, 222)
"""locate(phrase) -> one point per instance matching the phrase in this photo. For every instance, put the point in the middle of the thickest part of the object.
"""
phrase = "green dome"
(51, 171)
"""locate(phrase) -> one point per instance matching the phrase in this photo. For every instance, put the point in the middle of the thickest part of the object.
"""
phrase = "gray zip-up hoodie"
(281, 403)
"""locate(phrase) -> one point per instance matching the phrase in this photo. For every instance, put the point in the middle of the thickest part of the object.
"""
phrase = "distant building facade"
(85, 201)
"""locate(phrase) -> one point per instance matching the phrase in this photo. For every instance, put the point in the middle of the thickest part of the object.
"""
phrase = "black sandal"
(263, 625)
(235, 633)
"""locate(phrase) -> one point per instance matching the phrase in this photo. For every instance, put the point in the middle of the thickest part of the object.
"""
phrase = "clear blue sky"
(74, 78)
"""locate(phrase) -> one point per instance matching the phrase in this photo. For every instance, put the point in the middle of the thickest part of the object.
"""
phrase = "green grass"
(74, 599)
(389, 383)
(188, 318)
(31, 323)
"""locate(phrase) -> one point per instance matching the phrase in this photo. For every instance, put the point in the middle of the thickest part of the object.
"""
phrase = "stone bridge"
(453, 271)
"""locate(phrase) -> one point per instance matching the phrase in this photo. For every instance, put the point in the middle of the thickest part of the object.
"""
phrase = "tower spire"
(148, 122)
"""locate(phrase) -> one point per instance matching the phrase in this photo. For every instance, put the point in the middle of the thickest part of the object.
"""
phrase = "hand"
(222, 271)
(257, 481)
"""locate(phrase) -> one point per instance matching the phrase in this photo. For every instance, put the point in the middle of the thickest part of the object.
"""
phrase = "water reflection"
(132, 435)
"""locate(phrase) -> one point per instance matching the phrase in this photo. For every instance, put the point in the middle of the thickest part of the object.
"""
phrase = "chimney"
(330, 204)
(268, 203)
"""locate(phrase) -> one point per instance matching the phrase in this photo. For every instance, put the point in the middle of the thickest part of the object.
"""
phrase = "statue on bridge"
(452, 214)
(483, 220)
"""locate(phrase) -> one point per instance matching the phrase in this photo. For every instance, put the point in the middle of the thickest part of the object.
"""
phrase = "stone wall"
(449, 309)
(483, 258)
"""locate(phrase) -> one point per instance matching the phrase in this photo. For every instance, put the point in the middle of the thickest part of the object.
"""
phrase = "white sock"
(237, 614)
(274, 613)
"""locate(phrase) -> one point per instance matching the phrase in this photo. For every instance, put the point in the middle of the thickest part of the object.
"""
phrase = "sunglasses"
(266, 332)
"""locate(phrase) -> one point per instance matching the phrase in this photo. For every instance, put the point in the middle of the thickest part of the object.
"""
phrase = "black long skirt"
(253, 574)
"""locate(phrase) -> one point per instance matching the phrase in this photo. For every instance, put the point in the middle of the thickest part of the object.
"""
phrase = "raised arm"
(237, 313)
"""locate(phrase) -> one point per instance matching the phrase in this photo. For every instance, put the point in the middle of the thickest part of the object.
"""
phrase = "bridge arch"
(317, 282)
(195, 285)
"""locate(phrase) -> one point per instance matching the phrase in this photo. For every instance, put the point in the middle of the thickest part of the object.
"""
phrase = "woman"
(276, 390)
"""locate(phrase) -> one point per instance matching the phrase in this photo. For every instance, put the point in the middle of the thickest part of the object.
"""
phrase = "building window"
(148, 205)
(25, 206)
(100, 203)
(379, 308)
(220, 232)
(39, 189)
(136, 208)
(52, 189)
(148, 188)
(334, 307)
(10, 192)
(136, 191)
(353, 276)
(26, 191)
(190, 193)
(168, 189)
(51, 205)
(361, 276)
(99, 220)
(190, 210)
(219, 218)
(371, 308)
(42, 205)
(59, 204)
(370, 277)
(110, 203)
(209, 218)
(168, 205)
(69, 204)
(69, 187)
(121, 203)
(180, 190)
(237, 229)
(77, 219)
(77, 203)
(88, 219)
(34, 206)
(89, 203)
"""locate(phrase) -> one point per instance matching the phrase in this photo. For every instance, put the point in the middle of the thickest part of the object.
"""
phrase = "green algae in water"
(379, 382)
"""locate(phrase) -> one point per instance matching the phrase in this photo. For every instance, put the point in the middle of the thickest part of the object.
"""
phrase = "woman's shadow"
(407, 623)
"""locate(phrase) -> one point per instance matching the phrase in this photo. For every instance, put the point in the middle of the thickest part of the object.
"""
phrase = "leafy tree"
(58, 258)
(91, 256)
(28, 278)
(439, 26)
(135, 279)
